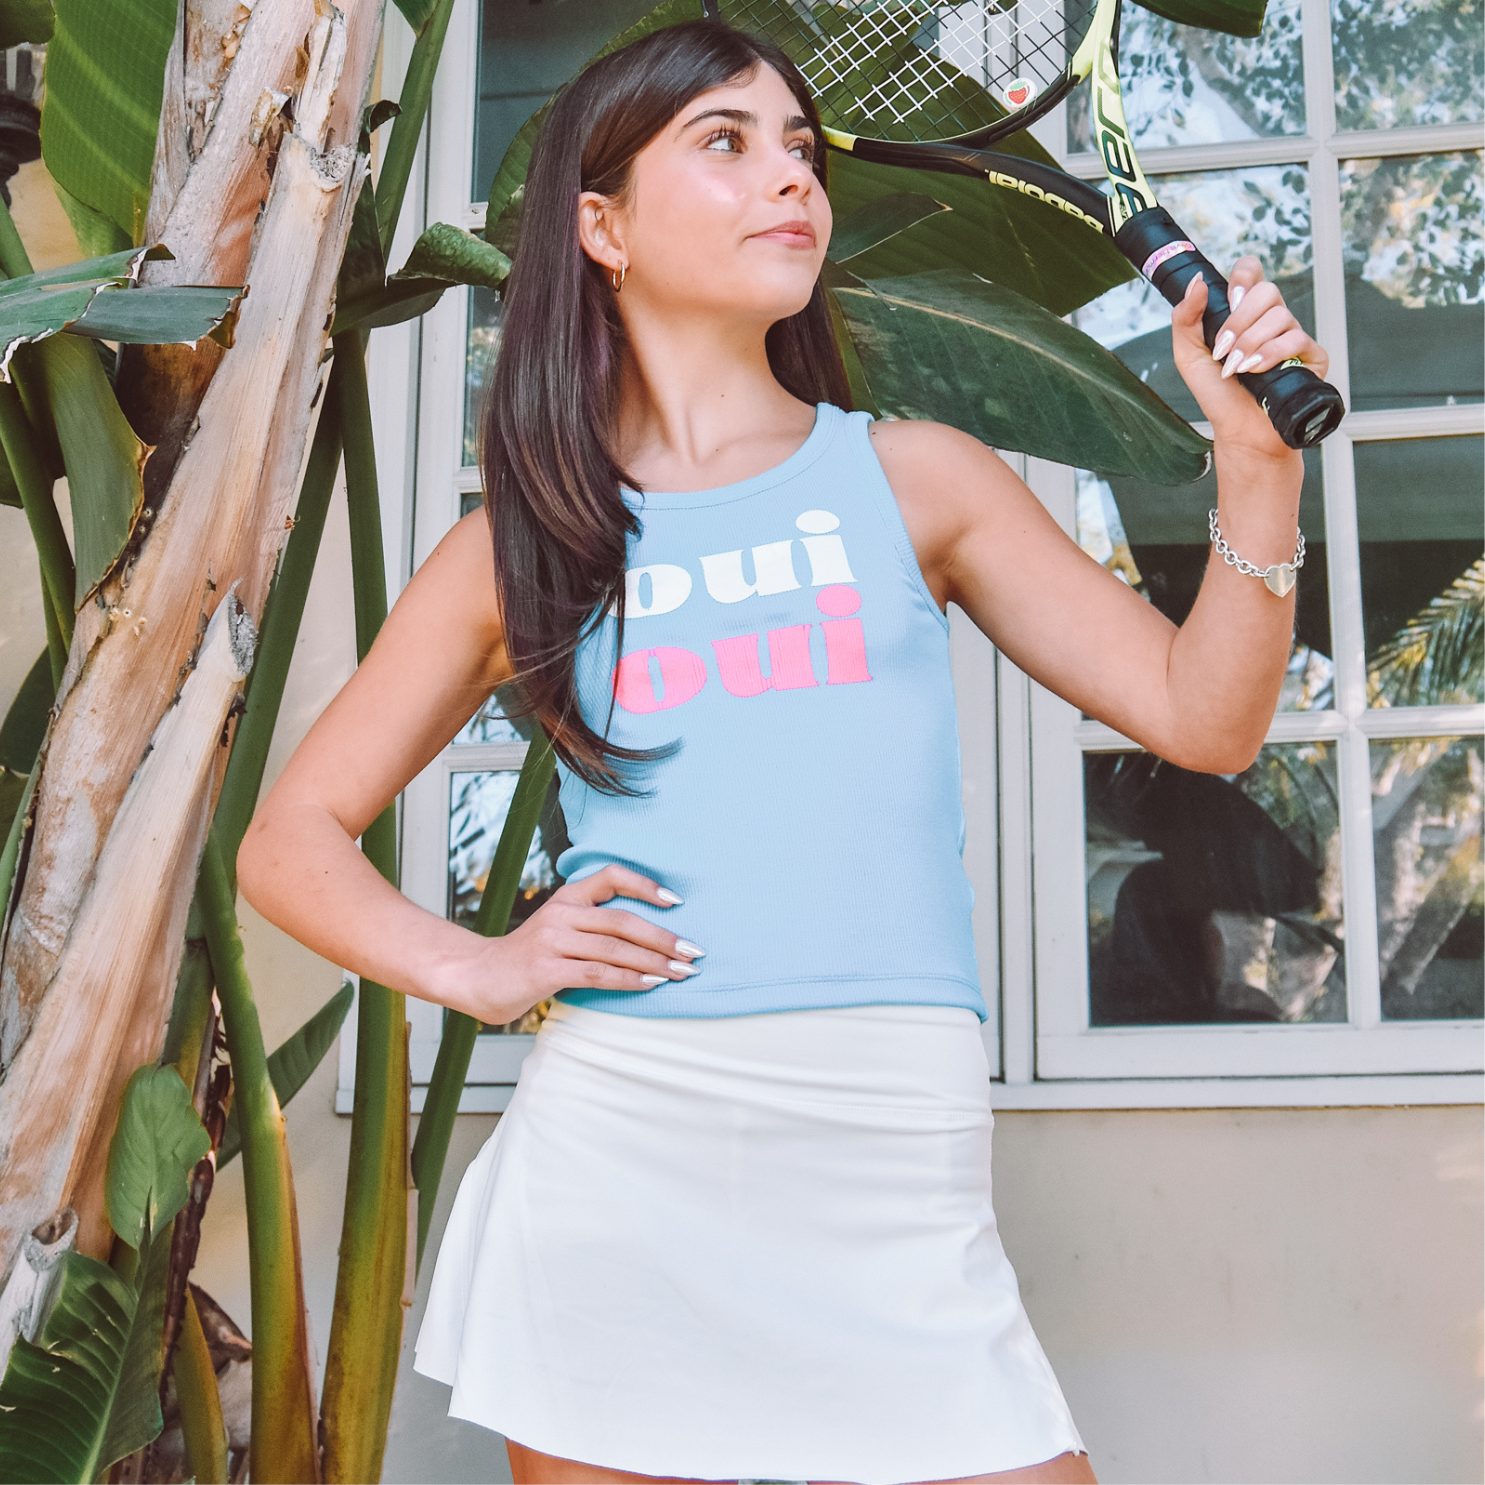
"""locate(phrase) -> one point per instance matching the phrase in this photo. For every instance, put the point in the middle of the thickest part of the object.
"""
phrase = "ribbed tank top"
(812, 818)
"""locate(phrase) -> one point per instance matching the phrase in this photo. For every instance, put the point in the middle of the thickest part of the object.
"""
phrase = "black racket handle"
(1302, 408)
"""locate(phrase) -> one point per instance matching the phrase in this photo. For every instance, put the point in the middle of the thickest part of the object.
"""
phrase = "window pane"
(1414, 263)
(1183, 85)
(1263, 209)
(1426, 795)
(478, 805)
(1406, 62)
(527, 51)
(485, 307)
(490, 723)
(1422, 528)
(1214, 898)
(1155, 538)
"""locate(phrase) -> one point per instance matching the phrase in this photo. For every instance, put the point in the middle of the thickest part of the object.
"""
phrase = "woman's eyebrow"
(746, 117)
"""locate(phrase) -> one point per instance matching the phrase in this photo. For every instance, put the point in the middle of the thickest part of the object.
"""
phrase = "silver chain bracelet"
(1278, 579)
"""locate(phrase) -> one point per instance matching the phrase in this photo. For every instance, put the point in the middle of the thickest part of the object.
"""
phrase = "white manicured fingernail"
(681, 967)
(656, 979)
(1224, 341)
(667, 896)
(1235, 297)
(690, 950)
(1232, 363)
(1251, 362)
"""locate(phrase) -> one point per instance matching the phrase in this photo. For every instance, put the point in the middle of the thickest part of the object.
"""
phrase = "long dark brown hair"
(551, 476)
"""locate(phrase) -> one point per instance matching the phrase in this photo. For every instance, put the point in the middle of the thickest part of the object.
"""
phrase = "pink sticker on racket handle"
(1165, 254)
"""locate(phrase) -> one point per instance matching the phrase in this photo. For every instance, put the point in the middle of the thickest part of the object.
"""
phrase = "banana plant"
(83, 1391)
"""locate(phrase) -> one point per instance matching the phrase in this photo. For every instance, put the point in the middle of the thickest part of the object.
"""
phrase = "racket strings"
(917, 71)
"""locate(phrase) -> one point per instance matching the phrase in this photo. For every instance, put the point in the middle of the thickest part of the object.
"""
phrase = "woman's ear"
(598, 231)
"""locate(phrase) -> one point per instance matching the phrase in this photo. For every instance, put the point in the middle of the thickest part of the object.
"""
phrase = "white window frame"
(1021, 745)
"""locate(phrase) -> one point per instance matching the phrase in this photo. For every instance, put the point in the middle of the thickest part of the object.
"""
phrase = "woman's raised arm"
(1202, 695)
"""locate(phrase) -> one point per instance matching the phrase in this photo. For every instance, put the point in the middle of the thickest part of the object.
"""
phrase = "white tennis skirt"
(748, 1247)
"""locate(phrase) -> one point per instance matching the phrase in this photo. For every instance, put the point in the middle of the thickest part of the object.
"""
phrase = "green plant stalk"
(451, 1067)
(56, 645)
(11, 851)
(15, 261)
(282, 615)
(417, 89)
(283, 1437)
(58, 576)
(201, 1418)
(366, 1326)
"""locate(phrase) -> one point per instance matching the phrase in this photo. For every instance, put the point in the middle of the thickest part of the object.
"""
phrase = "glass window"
(1415, 279)
(1406, 62)
(1422, 527)
(478, 804)
(527, 51)
(1214, 898)
(1184, 86)
(1155, 538)
(481, 339)
(1426, 797)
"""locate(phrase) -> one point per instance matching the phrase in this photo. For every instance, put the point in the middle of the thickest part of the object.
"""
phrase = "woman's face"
(724, 214)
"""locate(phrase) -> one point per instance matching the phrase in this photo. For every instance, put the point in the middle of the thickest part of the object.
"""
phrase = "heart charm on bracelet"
(1279, 579)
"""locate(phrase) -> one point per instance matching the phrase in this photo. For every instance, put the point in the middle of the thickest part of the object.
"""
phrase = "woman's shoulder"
(935, 462)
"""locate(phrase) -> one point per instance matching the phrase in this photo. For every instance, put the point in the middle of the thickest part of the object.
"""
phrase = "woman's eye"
(726, 142)
(802, 149)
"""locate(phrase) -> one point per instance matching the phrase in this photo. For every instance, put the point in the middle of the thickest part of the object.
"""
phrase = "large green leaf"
(41, 304)
(134, 1417)
(25, 20)
(58, 1391)
(1236, 17)
(999, 234)
(456, 256)
(873, 223)
(105, 71)
(443, 256)
(958, 349)
(156, 1144)
(104, 459)
(25, 723)
(290, 1067)
(87, 1391)
(166, 314)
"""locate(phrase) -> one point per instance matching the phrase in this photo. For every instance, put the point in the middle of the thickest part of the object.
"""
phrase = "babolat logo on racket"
(1025, 187)
(1019, 92)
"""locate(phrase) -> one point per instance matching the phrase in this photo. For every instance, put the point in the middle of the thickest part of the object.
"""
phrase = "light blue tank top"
(812, 818)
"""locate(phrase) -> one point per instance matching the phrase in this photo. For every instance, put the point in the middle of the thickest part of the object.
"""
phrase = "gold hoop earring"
(617, 275)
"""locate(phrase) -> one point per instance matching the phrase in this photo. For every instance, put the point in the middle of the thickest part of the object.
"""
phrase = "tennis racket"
(932, 84)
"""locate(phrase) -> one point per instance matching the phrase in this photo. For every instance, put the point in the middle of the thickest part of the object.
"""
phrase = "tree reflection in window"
(1406, 63)
(1213, 898)
(1185, 86)
(1426, 806)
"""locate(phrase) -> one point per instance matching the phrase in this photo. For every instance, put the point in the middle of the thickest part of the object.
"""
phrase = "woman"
(737, 1219)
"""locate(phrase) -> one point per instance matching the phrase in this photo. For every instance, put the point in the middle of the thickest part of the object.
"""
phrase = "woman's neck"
(700, 408)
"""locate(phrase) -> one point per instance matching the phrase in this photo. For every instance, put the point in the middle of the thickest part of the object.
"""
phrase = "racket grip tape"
(1302, 408)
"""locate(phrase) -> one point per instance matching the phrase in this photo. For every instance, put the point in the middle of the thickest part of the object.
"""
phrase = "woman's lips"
(800, 234)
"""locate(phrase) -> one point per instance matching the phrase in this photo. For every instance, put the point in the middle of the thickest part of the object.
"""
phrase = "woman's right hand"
(570, 941)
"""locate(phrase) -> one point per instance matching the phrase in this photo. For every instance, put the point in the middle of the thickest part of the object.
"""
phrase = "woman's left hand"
(1260, 333)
